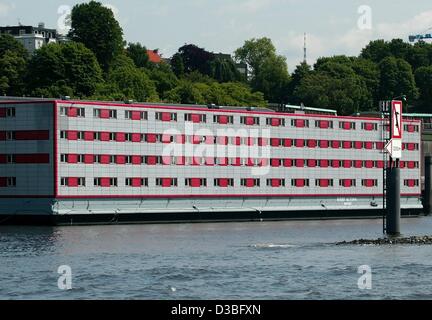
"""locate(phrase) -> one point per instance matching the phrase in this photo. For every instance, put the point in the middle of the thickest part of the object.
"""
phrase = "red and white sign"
(396, 120)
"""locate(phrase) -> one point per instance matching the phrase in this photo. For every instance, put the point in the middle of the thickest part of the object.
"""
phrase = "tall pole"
(305, 50)
(393, 199)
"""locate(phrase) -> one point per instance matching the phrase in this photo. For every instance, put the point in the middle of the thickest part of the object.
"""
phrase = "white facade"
(91, 158)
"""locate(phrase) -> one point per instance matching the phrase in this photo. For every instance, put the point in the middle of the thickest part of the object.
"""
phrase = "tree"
(254, 52)
(420, 55)
(130, 81)
(70, 64)
(269, 71)
(336, 86)
(164, 78)
(138, 54)
(224, 70)
(301, 71)
(423, 78)
(396, 78)
(196, 59)
(95, 26)
(177, 65)
(13, 64)
(273, 79)
(186, 92)
(225, 94)
(9, 43)
(376, 51)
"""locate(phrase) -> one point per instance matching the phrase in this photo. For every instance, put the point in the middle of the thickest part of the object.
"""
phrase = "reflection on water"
(270, 260)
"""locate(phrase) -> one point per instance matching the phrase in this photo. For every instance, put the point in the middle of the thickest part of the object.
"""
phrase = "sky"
(333, 26)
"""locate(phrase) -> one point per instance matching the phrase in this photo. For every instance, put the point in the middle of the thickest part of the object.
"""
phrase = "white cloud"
(350, 42)
(5, 8)
(417, 24)
(245, 6)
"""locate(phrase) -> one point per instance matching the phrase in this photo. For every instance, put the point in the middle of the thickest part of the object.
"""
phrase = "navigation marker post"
(394, 148)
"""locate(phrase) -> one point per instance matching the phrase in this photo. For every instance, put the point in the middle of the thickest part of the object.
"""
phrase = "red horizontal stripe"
(32, 135)
(229, 196)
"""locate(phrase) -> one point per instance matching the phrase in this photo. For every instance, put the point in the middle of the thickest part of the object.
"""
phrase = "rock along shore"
(425, 240)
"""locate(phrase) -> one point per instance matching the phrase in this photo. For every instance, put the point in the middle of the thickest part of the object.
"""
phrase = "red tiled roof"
(154, 56)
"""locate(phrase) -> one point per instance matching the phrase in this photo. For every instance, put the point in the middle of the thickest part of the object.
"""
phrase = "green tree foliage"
(163, 77)
(125, 81)
(195, 59)
(177, 65)
(138, 54)
(301, 71)
(396, 78)
(269, 71)
(334, 85)
(96, 27)
(8, 43)
(254, 52)
(13, 64)
(224, 70)
(423, 77)
(71, 65)
(229, 94)
(190, 58)
(273, 79)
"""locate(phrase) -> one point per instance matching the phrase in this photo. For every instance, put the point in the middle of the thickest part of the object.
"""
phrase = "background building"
(32, 38)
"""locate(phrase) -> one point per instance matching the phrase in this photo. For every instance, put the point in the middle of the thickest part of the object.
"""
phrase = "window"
(324, 124)
(73, 182)
(411, 128)
(105, 113)
(299, 163)
(275, 183)
(195, 118)
(369, 183)
(347, 144)
(335, 144)
(369, 126)
(105, 182)
(347, 183)
(224, 182)
(63, 134)
(136, 115)
(196, 182)
(324, 183)
(299, 143)
(166, 116)
(300, 183)
(104, 159)
(63, 111)
(10, 112)
(153, 160)
(250, 183)
(249, 120)
(223, 119)
(275, 122)
(8, 182)
(136, 182)
(166, 182)
(81, 112)
(346, 125)
(323, 163)
(300, 123)
(10, 158)
(323, 144)
(10, 135)
(411, 183)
